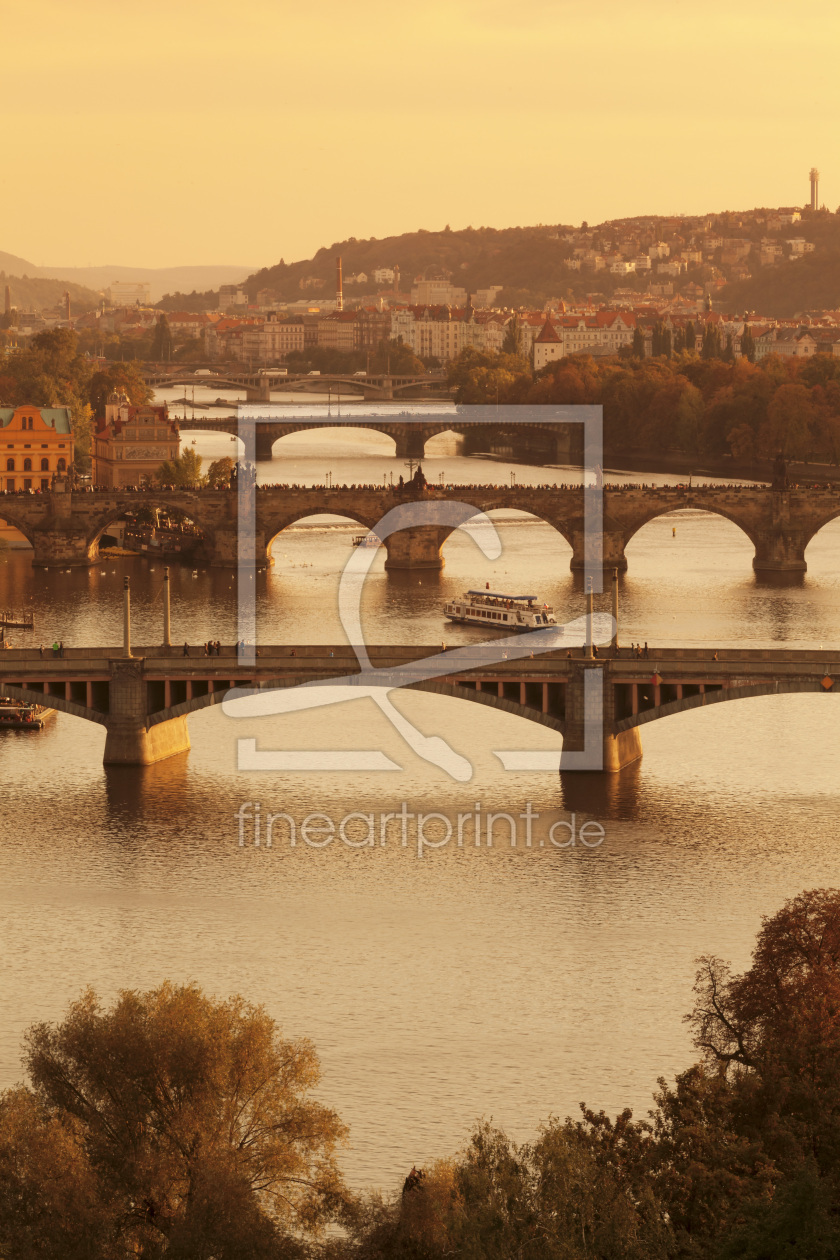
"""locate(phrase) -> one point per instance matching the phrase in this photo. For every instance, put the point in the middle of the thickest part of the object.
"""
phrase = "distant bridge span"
(259, 386)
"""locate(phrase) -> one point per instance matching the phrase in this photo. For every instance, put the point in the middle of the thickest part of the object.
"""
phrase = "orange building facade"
(37, 444)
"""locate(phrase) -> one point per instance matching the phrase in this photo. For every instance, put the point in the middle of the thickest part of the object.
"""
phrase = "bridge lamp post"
(589, 602)
(615, 610)
(127, 616)
(513, 479)
(329, 480)
(167, 640)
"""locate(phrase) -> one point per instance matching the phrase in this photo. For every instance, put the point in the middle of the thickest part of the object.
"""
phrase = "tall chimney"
(67, 306)
(7, 308)
(815, 188)
(396, 279)
(339, 286)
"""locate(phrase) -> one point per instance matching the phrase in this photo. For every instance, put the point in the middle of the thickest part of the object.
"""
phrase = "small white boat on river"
(508, 612)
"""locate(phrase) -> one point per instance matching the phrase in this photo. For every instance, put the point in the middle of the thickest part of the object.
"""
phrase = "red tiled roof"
(548, 333)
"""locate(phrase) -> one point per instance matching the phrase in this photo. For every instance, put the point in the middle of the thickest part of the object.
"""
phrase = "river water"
(504, 981)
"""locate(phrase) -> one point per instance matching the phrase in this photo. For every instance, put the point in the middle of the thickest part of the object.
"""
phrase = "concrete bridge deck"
(64, 528)
(259, 386)
(144, 701)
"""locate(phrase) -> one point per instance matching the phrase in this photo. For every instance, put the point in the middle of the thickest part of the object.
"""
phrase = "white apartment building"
(280, 337)
(603, 333)
(129, 293)
(437, 293)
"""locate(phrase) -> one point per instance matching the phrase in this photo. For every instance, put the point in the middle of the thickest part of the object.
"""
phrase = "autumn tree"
(185, 470)
(638, 342)
(711, 348)
(125, 378)
(747, 344)
(790, 416)
(169, 1124)
(219, 473)
(479, 376)
(161, 347)
(396, 358)
(773, 1035)
(512, 343)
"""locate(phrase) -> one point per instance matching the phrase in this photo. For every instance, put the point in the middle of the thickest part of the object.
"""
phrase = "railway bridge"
(143, 700)
(64, 527)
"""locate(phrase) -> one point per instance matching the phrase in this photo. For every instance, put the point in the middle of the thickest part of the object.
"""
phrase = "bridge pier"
(606, 549)
(264, 438)
(417, 548)
(781, 547)
(130, 739)
(221, 549)
(781, 551)
(259, 393)
(411, 442)
(618, 748)
(62, 549)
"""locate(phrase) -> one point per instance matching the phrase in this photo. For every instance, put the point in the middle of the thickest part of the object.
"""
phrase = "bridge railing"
(383, 653)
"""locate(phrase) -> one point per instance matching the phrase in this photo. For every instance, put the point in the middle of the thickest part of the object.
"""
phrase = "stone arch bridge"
(143, 701)
(64, 527)
(557, 443)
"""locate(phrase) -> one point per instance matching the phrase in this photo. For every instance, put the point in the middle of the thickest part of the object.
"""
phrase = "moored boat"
(508, 612)
(17, 715)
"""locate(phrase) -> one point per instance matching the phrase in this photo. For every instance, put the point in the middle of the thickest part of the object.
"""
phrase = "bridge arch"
(276, 526)
(813, 530)
(491, 505)
(720, 696)
(32, 696)
(280, 432)
(117, 511)
(457, 691)
(16, 520)
(657, 510)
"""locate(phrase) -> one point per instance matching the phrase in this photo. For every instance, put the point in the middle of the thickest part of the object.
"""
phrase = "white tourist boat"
(509, 612)
(366, 540)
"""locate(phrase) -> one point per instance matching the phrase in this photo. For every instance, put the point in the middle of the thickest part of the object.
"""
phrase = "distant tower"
(815, 188)
(67, 306)
(339, 286)
(396, 279)
(7, 307)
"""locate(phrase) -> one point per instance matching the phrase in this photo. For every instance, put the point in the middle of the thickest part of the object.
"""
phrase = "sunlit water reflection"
(501, 981)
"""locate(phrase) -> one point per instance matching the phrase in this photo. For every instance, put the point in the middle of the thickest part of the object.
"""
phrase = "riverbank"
(700, 466)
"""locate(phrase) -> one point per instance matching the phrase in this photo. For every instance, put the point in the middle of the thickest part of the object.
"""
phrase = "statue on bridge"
(243, 473)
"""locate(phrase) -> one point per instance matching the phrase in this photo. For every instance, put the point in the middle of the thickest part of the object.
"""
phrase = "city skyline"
(380, 121)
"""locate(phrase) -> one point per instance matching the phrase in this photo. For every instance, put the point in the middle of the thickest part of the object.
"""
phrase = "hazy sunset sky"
(194, 131)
